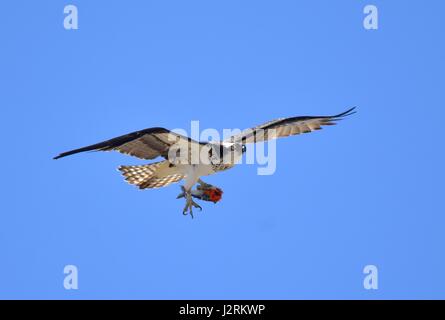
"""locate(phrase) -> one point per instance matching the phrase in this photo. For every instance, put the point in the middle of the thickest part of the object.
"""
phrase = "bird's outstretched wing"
(144, 144)
(285, 127)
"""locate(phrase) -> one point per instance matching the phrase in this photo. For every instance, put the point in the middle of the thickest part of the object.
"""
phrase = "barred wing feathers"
(285, 127)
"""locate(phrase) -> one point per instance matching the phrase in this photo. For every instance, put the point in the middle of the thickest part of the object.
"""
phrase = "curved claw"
(193, 203)
(182, 194)
(188, 211)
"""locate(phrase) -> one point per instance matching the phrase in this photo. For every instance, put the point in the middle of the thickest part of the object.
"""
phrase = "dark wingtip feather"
(346, 113)
(61, 155)
(113, 143)
(71, 152)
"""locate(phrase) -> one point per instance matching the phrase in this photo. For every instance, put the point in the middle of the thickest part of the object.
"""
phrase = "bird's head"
(229, 153)
(238, 148)
(236, 151)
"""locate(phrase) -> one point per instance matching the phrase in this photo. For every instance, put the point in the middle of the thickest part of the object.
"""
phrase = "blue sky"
(366, 192)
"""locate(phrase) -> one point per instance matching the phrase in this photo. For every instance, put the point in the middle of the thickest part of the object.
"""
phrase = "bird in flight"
(189, 160)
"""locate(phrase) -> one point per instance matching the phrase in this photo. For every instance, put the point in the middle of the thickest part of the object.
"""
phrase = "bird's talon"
(194, 204)
(189, 203)
(203, 184)
(182, 194)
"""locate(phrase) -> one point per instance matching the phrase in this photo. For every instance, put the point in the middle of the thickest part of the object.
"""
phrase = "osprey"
(188, 159)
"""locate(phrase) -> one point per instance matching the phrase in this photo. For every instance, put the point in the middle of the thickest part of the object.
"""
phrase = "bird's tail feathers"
(151, 175)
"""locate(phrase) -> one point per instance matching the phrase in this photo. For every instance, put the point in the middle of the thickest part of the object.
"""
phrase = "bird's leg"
(188, 208)
(189, 203)
(203, 184)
